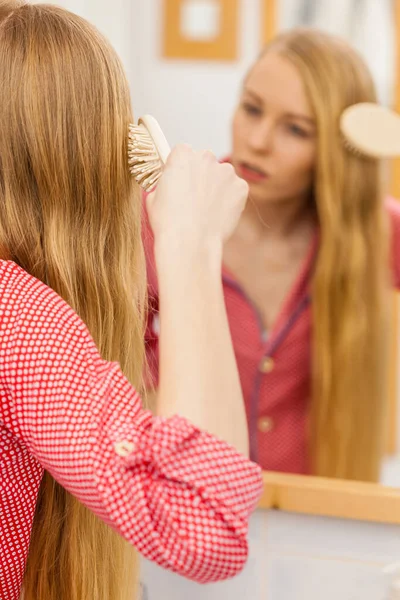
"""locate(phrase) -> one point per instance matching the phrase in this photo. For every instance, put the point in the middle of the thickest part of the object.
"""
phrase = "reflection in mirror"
(364, 24)
(313, 274)
(305, 272)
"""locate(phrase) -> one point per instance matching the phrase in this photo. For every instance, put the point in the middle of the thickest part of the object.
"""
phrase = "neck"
(280, 219)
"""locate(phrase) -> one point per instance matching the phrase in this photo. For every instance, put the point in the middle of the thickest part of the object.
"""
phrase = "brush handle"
(156, 133)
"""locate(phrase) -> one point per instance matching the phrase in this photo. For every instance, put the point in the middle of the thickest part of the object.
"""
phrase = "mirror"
(373, 28)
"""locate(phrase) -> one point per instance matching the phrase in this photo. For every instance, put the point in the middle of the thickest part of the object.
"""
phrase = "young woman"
(306, 272)
(176, 485)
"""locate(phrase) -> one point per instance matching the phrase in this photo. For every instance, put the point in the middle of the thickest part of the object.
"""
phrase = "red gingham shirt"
(181, 496)
(275, 372)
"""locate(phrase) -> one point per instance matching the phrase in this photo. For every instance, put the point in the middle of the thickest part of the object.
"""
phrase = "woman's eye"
(251, 109)
(298, 131)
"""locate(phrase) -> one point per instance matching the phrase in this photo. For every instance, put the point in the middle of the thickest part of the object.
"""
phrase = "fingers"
(208, 155)
(179, 153)
(243, 186)
(183, 155)
(230, 173)
(228, 168)
(182, 152)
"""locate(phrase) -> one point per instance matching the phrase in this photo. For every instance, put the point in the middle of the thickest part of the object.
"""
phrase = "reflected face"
(274, 132)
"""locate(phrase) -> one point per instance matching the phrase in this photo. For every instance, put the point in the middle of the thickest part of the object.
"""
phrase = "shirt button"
(124, 448)
(265, 424)
(267, 364)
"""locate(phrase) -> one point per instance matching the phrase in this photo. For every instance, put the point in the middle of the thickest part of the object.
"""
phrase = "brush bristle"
(143, 159)
(352, 149)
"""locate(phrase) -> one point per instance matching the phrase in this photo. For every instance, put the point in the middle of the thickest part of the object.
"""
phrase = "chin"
(260, 195)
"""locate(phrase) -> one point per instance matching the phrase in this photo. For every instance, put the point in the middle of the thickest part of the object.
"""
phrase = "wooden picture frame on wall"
(221, 47)
(269, 28)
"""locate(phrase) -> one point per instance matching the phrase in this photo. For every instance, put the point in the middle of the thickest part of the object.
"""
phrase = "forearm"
(198, 373)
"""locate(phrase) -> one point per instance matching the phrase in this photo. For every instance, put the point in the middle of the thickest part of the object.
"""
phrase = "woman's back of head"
(68, 216)
(67, 210)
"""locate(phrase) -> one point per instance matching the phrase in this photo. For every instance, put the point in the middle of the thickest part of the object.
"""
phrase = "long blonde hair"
(351, 281)
(70, 216)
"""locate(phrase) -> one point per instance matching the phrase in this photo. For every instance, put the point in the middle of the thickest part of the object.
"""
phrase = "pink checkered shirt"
(178, 494)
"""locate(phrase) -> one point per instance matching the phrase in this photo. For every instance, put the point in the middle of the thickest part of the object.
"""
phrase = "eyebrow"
(309, 120)
(291, 115)
(255, 96)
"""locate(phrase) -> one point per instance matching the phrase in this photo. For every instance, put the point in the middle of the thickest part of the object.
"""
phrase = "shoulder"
(18, 285)
(25, 301)
(392, 206)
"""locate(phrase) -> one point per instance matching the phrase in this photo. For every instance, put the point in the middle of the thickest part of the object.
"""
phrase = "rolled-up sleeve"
(178, 494)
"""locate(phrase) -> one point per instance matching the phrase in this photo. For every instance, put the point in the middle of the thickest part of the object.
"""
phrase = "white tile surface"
(297, 557)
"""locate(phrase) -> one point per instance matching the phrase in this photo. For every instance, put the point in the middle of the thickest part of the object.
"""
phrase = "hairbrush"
(148, 151)
(371, 130)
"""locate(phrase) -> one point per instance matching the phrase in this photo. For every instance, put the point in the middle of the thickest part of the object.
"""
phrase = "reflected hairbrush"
(371, 130)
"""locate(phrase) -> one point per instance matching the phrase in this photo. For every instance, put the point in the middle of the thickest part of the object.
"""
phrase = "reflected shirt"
(275, 371)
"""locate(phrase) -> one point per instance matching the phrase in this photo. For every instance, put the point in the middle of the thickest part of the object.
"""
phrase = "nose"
(260, 138)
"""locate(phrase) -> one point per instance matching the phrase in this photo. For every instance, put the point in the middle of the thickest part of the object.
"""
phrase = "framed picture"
(269, 20)
(200, 29)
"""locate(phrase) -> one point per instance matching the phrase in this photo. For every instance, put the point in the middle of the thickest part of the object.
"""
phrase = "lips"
(251, 172)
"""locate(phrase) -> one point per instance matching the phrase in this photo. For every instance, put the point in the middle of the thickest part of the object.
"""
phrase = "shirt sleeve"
(178, 494)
